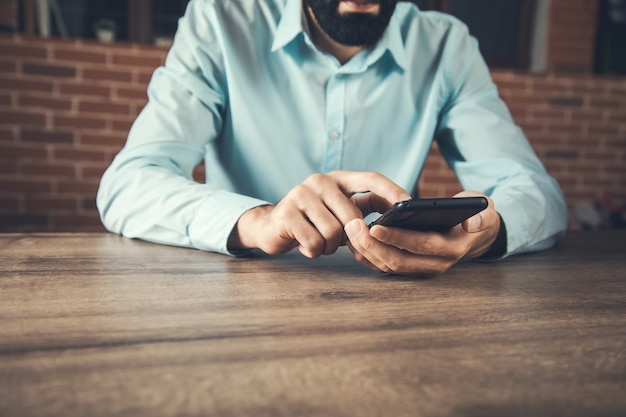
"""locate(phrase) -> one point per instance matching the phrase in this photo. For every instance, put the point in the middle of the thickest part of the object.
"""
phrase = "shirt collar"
(293, 21)
(290, 25)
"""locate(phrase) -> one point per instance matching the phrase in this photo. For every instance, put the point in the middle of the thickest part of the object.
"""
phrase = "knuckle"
(427, 246)
(333, 234)
(373, 175)
(316, 179)
(312, 241)
(395, 265)
(458, 252)
(367, 244)
(297, 193)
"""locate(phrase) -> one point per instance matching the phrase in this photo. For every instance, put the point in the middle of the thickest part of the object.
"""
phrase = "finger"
(370, 203)
(352, 182)
(449, 245)
(304, 205)
(482, 220)
(363, 244)
(388, 258)
(310, 241)
(394, 260)
(335, 202)
(362, 259)
(321, 214)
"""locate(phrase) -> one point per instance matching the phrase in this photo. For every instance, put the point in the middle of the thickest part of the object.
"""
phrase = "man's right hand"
(313, 214)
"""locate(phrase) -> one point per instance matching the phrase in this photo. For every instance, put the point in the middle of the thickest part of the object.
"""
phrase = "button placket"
(335, 117)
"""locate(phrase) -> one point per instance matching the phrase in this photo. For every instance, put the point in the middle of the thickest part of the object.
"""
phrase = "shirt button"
(334, 134)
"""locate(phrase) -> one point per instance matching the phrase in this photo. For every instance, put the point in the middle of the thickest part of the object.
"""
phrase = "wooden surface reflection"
(95, 324)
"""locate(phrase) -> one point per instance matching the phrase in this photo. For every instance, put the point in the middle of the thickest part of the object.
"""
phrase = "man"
(311, 114)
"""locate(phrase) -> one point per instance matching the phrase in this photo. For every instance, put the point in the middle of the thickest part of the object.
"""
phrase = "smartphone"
(431, 214)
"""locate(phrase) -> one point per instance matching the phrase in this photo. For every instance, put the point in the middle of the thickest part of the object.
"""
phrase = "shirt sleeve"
(490, 154)
(148, 191)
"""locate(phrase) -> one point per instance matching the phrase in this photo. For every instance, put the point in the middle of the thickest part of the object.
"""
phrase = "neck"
(343, 53)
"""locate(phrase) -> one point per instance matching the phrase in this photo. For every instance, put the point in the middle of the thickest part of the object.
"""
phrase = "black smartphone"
(431, 214)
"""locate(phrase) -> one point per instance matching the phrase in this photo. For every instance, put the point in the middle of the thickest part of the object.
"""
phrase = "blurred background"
(73, 75)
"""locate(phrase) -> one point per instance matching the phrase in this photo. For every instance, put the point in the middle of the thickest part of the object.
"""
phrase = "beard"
(352, 29)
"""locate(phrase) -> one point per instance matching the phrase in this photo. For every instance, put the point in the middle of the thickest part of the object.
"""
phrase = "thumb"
(476, 223)
(482, 220)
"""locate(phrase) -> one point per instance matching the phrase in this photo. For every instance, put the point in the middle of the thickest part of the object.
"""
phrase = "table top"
(96, 324)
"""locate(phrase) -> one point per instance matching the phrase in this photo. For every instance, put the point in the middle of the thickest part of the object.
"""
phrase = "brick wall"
(66, 106)
(65, 109)
(577, 126)
(571, 35)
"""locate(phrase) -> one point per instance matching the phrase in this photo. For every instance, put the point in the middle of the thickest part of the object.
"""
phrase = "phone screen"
(431, 214)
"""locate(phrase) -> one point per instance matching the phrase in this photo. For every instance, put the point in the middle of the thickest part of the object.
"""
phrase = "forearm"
(534, 211)
(150, 198)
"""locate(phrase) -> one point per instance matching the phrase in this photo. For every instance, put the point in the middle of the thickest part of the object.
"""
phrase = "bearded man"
(311, 114)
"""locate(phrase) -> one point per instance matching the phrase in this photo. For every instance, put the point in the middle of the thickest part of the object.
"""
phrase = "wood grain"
(95, 325)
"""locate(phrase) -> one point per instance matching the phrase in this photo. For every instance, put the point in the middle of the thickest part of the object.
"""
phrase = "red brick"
(7, 66)
(49, 70)
(616, 116)
(115, 140)
(602, 129)
(46, 136)
(144, 77)
(44, 102)
(547, 114)
(23, 222)
(78, 222)
(142, 60)
(601, 155)
(89, 204)
(47, 204)
(20, 150)
(5, 100)
(17, 117)
(605, 102)
(616, 142)
(122, 125)
(73, 154)
(525, 99)
(23, 51)
(78, 187)
(566, 101)
(134, 93)
(80, 89)
(9, 203)
(562, 154)
(25, 185)
(93, 171)
(103, 107)
(20, 84)
(559, 127)
(48, 169)
(442, 179)
(78, 122)
(8, 166)
(107, 75)
(76, 55)
(586, 115)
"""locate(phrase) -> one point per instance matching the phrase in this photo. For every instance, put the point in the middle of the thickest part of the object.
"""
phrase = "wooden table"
(95, 324)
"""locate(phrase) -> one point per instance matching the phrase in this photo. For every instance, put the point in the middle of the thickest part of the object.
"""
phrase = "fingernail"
(353, 229)
(476, 222)
(380, 233)
(404, 197)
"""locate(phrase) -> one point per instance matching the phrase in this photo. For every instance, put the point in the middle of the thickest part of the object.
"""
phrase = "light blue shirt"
(244, 88)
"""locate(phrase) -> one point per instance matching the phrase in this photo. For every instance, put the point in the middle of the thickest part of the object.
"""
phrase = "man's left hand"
(408, 252)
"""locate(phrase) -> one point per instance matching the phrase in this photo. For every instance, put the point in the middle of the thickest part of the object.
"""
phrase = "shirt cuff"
(215, 219)
(515, 218)
(499, 246)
